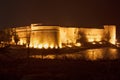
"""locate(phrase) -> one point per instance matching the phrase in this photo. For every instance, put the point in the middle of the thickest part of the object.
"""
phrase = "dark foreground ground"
(34, 69)
(14, 65)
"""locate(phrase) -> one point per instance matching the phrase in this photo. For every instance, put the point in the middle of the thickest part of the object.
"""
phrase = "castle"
(39, 36)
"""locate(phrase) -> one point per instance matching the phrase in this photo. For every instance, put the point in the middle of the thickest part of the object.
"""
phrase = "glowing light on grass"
(56, 47)
(69, 46)
(93, 43)
(36, 56)
(78, 44)
(49, 57)
(90, 40)
(100, 43)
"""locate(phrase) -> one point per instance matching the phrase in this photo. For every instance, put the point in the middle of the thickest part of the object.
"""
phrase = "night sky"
(59, 12)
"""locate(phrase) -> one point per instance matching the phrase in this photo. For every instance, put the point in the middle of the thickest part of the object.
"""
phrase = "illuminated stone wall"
(92, 34)
(21, 32)
(55, 36)
(45, 37)
(68, 35)
(110, 32)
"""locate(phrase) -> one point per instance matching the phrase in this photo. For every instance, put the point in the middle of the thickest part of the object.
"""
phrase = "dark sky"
(63, 12)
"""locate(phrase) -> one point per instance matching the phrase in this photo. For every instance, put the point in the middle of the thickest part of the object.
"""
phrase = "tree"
(16, 38)
(82, 39)
(5, 36)
(107, 36)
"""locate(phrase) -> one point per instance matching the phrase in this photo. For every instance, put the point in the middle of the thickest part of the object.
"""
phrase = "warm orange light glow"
(45, 46)
(90, 40)
(78, 44)
(45, 36)
(69, 46)
(54, 36)
(31, 46)
(35, 46)
(51, 46)
(68, 35)
(90, 54)
(100, 43)
(94, 38)
(94, 54)
(36, 56)
(98, 39)
(110, 30)
(56, 47)
(40, 46)
(60, 46)
(113, 53)
(92, 34)
(49, 57)
(43, 56)
(21, 42)
(93, 43)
